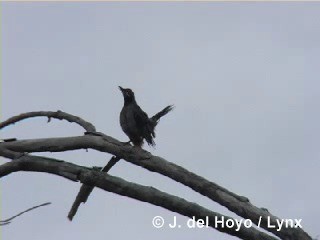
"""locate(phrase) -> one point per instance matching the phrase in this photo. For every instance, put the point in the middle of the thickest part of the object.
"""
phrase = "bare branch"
(142, 193)
(8, 221)
(85, 190)
(58, 115)
(237, 204)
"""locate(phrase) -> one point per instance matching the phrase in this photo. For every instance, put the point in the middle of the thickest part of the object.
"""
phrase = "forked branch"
(85, 189)
(120, 186)
(101, 142)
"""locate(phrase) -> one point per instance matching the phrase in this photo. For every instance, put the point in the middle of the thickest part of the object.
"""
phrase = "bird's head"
(128, 94)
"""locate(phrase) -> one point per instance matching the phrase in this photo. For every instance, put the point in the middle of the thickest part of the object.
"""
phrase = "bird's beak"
(121, 89)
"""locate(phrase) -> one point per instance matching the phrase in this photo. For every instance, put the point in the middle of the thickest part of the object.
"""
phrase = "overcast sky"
(244, 78)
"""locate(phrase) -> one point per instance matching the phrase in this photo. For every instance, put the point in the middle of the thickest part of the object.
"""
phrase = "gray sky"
(244, 80)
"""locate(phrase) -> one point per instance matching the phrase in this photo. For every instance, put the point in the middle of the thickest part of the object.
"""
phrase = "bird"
(135, 123)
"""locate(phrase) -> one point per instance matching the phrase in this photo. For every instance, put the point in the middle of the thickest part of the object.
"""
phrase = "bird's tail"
(153, 122)
(160, 114)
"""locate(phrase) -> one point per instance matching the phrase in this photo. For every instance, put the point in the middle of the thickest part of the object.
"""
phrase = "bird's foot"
(126, 143)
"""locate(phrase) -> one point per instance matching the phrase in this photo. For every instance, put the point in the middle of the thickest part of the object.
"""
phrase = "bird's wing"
(144, 125)
(141, 118)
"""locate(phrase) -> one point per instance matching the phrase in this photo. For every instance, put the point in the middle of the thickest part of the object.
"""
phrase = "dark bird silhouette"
(135, 122)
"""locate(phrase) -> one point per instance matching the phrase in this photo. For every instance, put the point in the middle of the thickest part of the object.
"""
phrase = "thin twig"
(8, 140)
(58, 115)
(8, 221)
